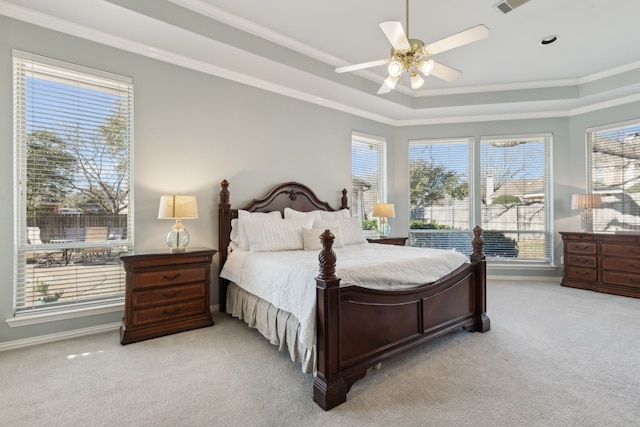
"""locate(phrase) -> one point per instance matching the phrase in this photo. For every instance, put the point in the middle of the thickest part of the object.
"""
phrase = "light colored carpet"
(554, 357)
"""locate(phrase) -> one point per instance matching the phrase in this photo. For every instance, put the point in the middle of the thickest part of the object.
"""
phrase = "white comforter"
(286, 279)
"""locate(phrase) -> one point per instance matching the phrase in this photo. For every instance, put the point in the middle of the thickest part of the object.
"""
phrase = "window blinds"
(515, 180)
(439, 173)
(368, 174)
(613, 168)
(73, 134)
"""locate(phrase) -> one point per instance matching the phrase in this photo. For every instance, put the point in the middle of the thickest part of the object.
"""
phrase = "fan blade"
(471, 35)
(384, 89)
(444, 72)
(395, 34)
(361, 66)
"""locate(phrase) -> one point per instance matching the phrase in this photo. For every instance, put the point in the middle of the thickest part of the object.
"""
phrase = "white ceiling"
(292, 46)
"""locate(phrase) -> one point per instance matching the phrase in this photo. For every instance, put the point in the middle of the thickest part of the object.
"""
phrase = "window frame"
(27, 65)
(380, 145)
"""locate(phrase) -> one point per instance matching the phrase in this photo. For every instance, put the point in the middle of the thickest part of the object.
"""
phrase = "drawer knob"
(171, 294)
(170, 312)
(174, 277)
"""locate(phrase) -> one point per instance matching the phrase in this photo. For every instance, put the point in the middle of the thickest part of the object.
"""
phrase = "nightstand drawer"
(168, 295)
(589, 248)
(581, 273)
(581, 261)
(167, 313)
(172, 277)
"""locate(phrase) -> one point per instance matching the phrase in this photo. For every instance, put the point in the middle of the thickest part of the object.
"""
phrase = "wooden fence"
(52, 226)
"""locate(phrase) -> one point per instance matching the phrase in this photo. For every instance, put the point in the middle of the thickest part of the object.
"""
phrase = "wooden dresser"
(398, 241)
(166, 293)
(602, 262)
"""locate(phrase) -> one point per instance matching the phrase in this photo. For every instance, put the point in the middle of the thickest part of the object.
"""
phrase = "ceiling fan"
(413, 56)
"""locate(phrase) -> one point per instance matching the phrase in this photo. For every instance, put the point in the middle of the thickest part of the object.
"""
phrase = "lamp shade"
(586, 201)
(384, 210)
(178, 207)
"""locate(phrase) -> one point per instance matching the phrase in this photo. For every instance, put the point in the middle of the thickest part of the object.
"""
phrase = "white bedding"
(287, 279)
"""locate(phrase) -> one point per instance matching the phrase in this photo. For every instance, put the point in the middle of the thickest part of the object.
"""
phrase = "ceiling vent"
(508, 5)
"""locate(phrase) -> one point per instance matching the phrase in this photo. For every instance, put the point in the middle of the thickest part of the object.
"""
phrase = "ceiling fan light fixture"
(416, 80)
(395, 68)
(391, 81)
(425, 67)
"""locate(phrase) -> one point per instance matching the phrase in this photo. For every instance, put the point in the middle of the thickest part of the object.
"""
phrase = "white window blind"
(369, 176)
(439, 173)
(515, 192)
(613, 166)
(73, 146)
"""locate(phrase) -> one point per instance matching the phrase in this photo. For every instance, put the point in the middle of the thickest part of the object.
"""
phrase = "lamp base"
(178, 238)
(384, 230)
(586, 221)
(178, 250)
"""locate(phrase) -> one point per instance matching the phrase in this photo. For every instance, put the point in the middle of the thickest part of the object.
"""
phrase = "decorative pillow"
(312, 242)
(342, 213)
(292, 213)
(238, 234)
(275, 234)
(350, 229)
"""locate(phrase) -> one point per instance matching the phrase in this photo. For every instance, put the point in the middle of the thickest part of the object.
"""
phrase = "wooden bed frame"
(358, 328)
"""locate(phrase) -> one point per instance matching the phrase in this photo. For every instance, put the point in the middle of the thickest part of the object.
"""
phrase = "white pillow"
(238, 234)
(312, 242)
(275, 234)
(342, 213)
(350, 229)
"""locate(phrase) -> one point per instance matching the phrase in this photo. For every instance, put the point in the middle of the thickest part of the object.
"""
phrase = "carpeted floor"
(554, 357)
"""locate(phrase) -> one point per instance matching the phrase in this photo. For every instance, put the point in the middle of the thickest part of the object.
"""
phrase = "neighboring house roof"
(523, 188)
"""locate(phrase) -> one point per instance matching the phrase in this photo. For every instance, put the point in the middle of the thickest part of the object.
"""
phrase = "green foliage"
(505, 200)
(50, 169)
(369, 224)
(430, 183)
(421, 225)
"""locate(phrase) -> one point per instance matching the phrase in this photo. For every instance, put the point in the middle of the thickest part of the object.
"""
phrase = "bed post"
(483, 323)
(224, 233)
(329, 390)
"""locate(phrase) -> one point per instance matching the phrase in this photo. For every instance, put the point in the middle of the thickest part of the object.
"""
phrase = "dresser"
(166, 293)
(602, 262)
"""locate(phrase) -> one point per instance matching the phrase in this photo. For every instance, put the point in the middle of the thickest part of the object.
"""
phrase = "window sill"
(24, 319)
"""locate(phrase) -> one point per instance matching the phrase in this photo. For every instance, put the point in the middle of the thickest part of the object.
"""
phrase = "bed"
(355, 327)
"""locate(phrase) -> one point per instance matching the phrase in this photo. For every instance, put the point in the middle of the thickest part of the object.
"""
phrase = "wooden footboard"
(358, 328)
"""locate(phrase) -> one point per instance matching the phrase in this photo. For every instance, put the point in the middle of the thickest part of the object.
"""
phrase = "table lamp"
(178, 208)
(586, 202)
(384, 211)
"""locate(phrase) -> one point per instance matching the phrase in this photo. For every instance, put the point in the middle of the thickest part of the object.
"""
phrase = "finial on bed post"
(327, 257)
(345, 204)
(478, 244)
(224, 193)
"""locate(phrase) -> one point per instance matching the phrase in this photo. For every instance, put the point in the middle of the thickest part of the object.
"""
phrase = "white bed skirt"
(280, 327)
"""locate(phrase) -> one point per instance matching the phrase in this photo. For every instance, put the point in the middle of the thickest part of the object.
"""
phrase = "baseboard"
(15, 344)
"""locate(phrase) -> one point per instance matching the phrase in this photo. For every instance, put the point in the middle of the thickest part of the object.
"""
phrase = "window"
(439, 194)
(515, 213)
(73, 136)
(508, 196)
(368, 175)
(613, 171)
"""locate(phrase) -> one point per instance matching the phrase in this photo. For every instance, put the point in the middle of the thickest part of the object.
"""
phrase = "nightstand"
(398, 241)
(166, 293)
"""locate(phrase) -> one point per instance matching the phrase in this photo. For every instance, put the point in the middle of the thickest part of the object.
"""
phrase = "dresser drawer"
(168, 313)
(173, 277)
(626, 279)
(587, 248)
(168, 295)
(590, 274)
(581, 261)
(632, 251)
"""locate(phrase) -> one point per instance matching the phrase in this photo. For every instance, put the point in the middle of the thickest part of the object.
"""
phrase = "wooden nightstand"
(398, 241)
(166, 293)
